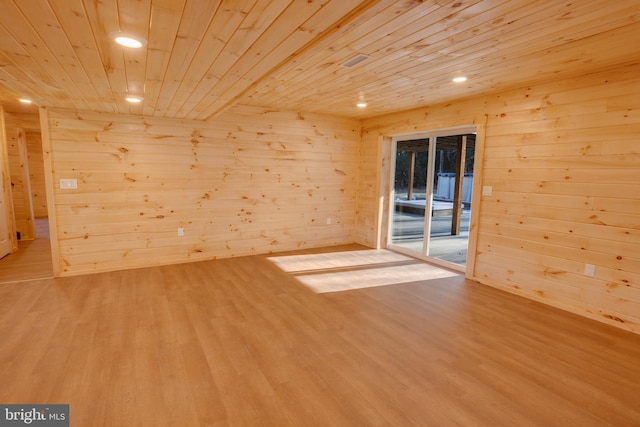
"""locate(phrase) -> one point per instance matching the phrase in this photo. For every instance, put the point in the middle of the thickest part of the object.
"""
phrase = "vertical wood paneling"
(253, 181)
(36, 174)
(20, 128)
(47, 154)
(20, 185)
(7, 199)
(563, 160)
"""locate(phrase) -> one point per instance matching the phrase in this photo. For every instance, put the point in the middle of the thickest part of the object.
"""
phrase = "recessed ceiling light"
(25, 100)
(460, 79)
(134, 99)
(362, 103)
(128, 40)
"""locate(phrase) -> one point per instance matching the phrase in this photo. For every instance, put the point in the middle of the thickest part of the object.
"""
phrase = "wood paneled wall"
(563, 160)
(20, 184)
(7, 199)
(36, 173)
(252, 181)
(24, 148)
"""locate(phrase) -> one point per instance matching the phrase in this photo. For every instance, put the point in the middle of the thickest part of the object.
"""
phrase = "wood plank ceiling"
(204, 56)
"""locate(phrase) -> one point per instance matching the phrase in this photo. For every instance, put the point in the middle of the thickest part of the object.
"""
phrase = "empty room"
(331, 213)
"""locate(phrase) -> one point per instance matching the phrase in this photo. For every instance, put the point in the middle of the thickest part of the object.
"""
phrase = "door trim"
(49, 184)
(389, 146)
(5, 187)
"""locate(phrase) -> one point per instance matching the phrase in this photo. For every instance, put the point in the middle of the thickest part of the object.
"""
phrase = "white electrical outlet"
(487, 190)
(589, 270)
(68, 184)
(329, 221)
(180, 232)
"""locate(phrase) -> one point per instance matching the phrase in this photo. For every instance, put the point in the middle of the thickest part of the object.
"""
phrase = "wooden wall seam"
(474, 220)
(47, 155)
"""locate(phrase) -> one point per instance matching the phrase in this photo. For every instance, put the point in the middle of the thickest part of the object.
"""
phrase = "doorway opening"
(432, 183)
(30, 256)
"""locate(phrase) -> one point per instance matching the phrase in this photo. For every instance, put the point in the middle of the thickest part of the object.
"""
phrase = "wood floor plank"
(33, 258)
(240, 341)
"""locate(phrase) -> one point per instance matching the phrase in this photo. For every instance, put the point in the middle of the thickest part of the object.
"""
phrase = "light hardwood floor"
(242, 342)
(33, 258)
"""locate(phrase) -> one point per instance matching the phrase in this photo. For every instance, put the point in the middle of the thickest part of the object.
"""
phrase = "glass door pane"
(410, 191)
(453, 182)
(433, 184)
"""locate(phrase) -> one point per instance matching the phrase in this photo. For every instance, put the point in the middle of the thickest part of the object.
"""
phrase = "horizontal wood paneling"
(204, 56)
(253, 181)
(563, 160)
(416, 49)
(24, 120)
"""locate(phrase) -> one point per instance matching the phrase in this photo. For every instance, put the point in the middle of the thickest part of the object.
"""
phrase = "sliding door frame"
(432, 135)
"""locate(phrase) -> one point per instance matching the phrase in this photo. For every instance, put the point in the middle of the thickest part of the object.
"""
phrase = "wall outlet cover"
(68, 184)
(589, 270)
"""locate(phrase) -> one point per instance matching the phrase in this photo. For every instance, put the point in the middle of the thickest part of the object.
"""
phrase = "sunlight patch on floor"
(341, 271)
(335, 260)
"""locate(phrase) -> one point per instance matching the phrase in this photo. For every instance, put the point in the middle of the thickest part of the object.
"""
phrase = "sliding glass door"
(410, 183)
(432, 182)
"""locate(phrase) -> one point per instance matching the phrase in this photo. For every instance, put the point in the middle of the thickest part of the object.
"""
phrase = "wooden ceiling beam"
(310, 28)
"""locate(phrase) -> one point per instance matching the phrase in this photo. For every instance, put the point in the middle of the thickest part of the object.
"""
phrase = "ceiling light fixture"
(460, 79)
(134, 99)
(25, 100)
(361, 102)
(128, 40)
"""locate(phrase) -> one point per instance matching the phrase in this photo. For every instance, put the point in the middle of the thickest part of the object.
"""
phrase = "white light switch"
(68, 184)
(180, 232)
(589, 270)
(487, 190)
